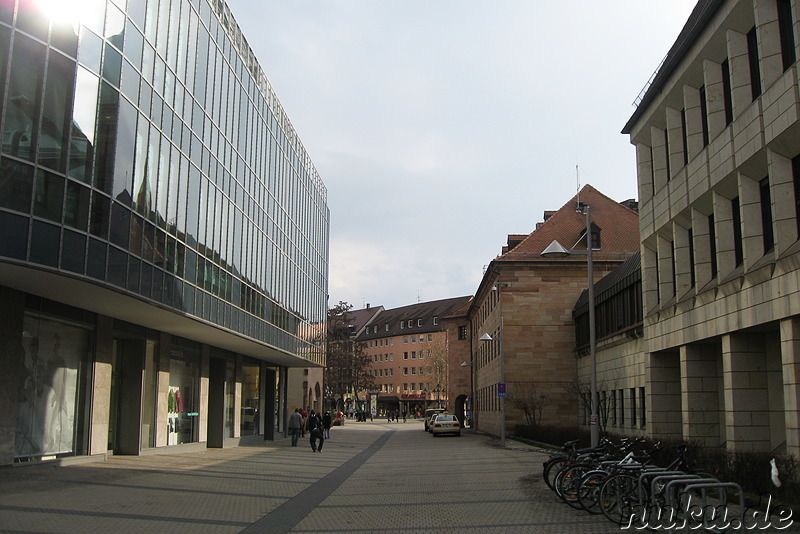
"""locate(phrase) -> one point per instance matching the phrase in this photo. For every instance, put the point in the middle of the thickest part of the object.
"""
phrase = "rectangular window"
(766, 216)
(712, 245)
(642, 411)
(684, 137)
(787, 33)
(435, 320)
(755, 69)
(419, 322)
(704, 114)
(691, 257)
(405, 371)
(633, 406)
(410, 323)
(421, 339)
(405, 387)
(666, 148)
(796, 176)
(413, 355)
(401, 325)
(413, 370)
(421, 354)
(405, 340)
(621, 406)
(405, 355)
(413, 339)
(738, 251)
(726, 92)
(674, 269)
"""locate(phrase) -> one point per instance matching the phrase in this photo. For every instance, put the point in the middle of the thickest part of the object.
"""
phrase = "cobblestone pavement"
(370, 477)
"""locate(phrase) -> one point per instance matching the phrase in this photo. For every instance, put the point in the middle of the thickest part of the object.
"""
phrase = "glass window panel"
(106, 138)
(90, 51)
(48, 198)
(5, 44)
(32, 19)
(158, 285)
(73, 252)
(130, 82)
(172, 202)
(115, 26)
(145, 97)
(93, 14)
(136, 11)
(125, 150)
(159, 74)
(45, 243)
(24, 91)
(98, 224)
(141, 199)
(64, 36)
(137, 233)
(134, 44)
(117, 267)
(120, 225)
(163, 183)
(57, 110)
(146, 282)
(134, 273)
(76, 207)
(151, 172)
(13, 235)
(112, 65)
(16, 185)
(96, 264)
(6, 10)
(184, 182)
(148, 62)
(81, 152)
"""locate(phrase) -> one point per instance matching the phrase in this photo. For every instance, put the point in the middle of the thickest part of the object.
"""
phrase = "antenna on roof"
(578, 180)
(418, 298)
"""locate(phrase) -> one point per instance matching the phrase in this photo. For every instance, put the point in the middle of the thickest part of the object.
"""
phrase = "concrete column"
(715, 97)
(659, 144)
(744, 371)
(769, 41)
(202, 430)
(694, 120)
(666, 269)
(683, 265)
(784, 209)
(676, 142)
(644, 171)
(790, 362)
(741, 93)
(12, 361)
(723, 219)
(752, 232)
(702, 252)
(101, 386)
(650, 296)
(663, 392)
(700, 393)
(162, 390)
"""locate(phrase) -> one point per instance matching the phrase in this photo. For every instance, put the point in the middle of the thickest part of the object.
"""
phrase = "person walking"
(295, 426)
(317, 439)
(326, 424)
(304, 415)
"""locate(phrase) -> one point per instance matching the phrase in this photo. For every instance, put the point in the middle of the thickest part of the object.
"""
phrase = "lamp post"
(487, 337)
(556, 250)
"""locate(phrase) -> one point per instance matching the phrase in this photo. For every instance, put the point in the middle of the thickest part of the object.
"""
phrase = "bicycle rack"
(722, 487)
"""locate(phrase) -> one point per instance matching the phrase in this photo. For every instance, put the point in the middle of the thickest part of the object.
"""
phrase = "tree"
(582, 389)
(527, 398)
(439, 370)
(347, 368)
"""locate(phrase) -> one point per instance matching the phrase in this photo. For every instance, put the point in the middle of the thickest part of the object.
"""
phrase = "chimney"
(367, 305)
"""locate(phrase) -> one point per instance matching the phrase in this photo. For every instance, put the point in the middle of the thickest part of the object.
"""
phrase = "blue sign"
(501, 389)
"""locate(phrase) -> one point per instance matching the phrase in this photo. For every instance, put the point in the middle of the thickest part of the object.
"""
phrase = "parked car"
(445, 423)
(429, 413)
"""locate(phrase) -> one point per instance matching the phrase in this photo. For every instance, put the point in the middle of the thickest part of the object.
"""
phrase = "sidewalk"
(370, 477)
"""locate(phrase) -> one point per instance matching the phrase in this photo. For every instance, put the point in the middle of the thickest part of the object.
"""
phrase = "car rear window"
(446, 418)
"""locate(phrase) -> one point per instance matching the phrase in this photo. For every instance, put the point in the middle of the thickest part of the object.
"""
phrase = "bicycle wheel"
(551, 469)
(589, 490)
(569, 482)
(618, 497)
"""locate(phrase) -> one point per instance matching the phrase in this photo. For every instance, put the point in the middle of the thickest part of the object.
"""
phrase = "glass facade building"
(156, 204)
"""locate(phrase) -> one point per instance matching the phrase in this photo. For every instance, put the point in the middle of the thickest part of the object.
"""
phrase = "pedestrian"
(312, 422)
(295, 426)
(304, 415)
(316, 436)
(404, 416)
(326, 424)
(371, 414)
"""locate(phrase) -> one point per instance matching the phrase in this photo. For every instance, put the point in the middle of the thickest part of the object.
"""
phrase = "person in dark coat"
(326, 424)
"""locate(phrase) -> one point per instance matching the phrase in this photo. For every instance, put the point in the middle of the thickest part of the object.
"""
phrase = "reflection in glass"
(45, 243)
(48, 198)
(24, 90)
(90, 50)
(56, 112)
(16, 184)
(73, 253)
(125, 149)
(76, 207)
(106, 137)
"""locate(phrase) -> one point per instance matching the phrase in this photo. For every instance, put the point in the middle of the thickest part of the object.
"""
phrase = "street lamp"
(557, 250)
(487, 337)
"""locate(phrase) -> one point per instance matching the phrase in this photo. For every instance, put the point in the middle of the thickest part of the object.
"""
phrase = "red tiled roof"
(619, 229)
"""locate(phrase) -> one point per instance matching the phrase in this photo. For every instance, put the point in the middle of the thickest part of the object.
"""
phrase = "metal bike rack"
(723, 488)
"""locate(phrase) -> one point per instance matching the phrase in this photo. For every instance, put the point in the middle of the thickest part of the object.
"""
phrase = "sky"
(441, 126)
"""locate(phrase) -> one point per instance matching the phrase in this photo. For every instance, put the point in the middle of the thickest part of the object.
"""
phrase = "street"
(370, 477)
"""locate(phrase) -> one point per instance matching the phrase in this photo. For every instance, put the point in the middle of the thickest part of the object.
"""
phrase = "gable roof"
(619, 230)
(421, 315)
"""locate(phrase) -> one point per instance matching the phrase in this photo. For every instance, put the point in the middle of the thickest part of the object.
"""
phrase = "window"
(666, 147)
(726, 92)
(410, 323)
(430, 338)
(413, 370)
(405, 371)
(462, 330)
(413, 386)
(704, 114)
(405, 340)
(421, 354)
(786, 33)
(642, 410)
(419, 322)
(633, 406)
(712, 244)
(755, 69)
(387, 327)
(405, 355)
(435, 320)
(421, 339)
(595, 237)
(413, 355)
(621, 406)
(391, 372)
(401, 325)
(691, 257)
(738, 252)
(684, 138)
(413, 339)
(405, 387)
(796, 175)
(766, 216)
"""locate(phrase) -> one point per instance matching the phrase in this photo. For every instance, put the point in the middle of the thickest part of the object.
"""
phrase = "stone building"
(717, 136)
(524, 303)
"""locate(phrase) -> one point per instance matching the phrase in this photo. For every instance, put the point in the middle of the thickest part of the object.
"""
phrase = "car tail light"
(455, 425)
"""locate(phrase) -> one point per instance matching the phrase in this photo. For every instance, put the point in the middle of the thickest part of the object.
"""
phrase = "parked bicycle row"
(624, 483)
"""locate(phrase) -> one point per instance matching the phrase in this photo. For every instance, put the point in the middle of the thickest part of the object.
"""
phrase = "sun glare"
(71, 11)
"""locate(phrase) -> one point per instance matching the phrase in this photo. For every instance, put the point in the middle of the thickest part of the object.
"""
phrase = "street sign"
(501, 389)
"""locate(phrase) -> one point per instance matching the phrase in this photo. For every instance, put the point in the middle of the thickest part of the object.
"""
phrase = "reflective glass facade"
(144, 149)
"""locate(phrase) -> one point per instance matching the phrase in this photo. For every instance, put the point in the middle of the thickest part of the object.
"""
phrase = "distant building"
(717, 136)
(524, 304)
(410, 352)
(163, 234)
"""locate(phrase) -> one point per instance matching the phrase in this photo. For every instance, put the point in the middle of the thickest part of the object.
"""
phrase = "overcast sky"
(441, 126)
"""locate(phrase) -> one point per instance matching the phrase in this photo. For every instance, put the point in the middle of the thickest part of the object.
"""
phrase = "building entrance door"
(125, 410)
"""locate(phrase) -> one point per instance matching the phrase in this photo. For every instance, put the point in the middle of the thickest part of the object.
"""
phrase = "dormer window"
(595, 237)
(410, 323)
(419, 322)
(435, 320)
